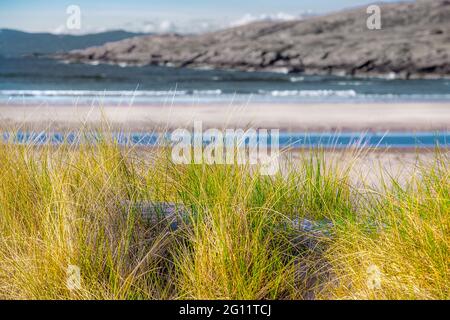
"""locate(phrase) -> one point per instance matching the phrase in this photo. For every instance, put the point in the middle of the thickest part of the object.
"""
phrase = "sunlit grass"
(405, 234)
(237, 237)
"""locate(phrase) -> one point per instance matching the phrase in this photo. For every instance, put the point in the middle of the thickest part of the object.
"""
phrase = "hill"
(15, 43)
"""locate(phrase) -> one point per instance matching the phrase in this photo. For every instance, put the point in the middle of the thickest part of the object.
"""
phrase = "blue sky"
(157, 15)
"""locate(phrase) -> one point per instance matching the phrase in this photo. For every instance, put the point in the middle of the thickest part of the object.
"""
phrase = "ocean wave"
(90, 93)
(117, 93)
(218, 94)
(352, 83)
(296, 79)
(207, 92)
(310, 93)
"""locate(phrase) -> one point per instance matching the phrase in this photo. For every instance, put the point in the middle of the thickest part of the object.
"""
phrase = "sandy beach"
(288, 117)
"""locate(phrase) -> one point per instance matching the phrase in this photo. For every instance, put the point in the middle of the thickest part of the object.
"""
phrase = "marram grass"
(240, 239)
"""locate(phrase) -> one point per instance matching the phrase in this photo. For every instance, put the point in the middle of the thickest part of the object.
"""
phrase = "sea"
(35, 80)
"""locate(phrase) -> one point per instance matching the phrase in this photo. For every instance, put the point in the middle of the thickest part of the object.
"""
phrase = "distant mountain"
(414, 42)
(15, 43)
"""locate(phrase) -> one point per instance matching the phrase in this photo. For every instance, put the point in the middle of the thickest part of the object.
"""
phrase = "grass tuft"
(239, 235)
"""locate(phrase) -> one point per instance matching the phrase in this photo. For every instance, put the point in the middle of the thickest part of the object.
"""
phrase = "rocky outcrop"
(414, 42)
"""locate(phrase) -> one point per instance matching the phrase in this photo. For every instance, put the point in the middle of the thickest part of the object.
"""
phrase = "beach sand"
(369, 168)
(288, 117)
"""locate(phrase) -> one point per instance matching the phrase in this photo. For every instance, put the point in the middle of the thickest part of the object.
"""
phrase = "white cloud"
(194, 26)
(183, 26)
(168, 26)
(281, 16)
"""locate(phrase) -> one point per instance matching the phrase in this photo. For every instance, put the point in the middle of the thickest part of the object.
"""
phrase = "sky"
(183, 16)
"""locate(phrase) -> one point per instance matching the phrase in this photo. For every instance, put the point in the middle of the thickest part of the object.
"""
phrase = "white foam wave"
(352, 83)
(93, 93)
(162, 93)
(208, 92)
(310, 93)
(296, 79)
(90, 93)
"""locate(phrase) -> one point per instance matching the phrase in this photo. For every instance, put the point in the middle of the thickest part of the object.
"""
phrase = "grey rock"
(414, 42)
(168, 213)
(311, 234)
(320, 228)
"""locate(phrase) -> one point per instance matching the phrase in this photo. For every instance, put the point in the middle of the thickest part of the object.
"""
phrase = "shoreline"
(288, 117)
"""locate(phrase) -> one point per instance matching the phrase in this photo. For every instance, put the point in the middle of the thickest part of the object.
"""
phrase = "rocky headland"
(413, 42)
